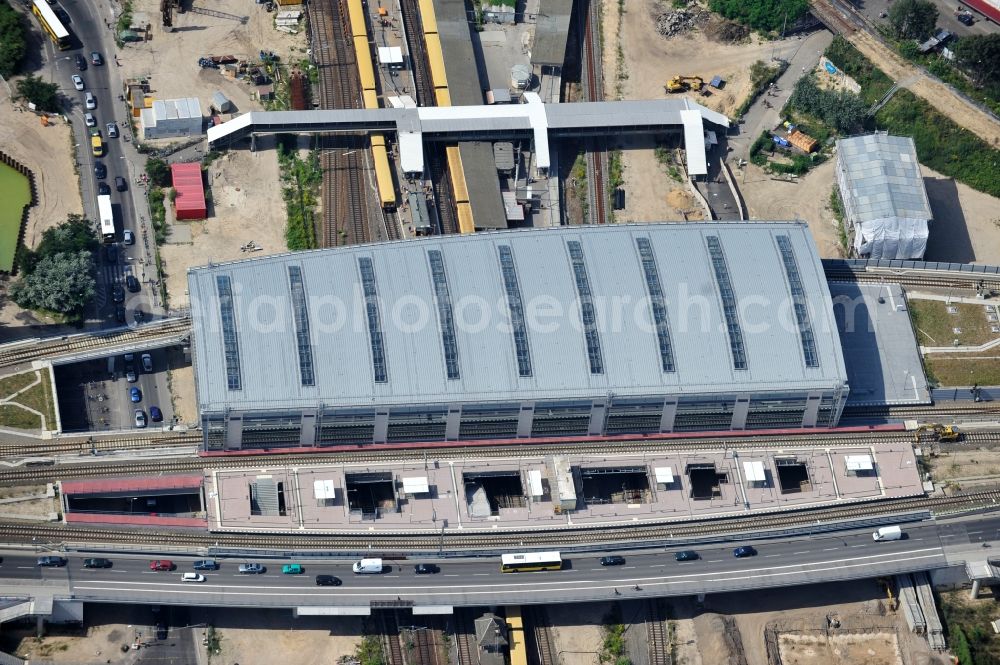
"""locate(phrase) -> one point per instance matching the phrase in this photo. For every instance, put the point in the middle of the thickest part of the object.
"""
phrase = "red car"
(161, 564)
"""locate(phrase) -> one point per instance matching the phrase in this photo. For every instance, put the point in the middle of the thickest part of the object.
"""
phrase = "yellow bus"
(51, 24)
(529, 562)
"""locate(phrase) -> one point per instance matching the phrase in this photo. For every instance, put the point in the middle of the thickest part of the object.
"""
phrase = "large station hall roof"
(567, 313)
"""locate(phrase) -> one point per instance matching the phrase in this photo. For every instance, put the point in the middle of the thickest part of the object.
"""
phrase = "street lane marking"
(803, 552)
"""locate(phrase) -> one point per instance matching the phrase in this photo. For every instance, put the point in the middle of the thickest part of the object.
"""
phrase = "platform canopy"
(859, 462)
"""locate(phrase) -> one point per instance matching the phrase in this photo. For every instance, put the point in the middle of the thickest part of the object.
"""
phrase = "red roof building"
(189, 202)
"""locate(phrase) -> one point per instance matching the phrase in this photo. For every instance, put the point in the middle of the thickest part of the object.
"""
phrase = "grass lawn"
(40, 399)
(11, 384)
(934, 324)
(15, 192)
(965, 370)
(18, 418)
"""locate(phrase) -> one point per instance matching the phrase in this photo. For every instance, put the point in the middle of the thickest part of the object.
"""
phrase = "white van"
(368, 566)
(192, 577)
(887, 533)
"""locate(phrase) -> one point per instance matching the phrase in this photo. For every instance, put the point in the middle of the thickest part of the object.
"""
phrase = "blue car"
(744, 551)
(155, 414)
(135, 394)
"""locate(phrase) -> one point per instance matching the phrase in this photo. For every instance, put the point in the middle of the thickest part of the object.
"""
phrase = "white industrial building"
(169, 118)
(886, 210)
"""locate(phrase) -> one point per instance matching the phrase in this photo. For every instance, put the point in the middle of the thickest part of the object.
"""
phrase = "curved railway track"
(399, 544)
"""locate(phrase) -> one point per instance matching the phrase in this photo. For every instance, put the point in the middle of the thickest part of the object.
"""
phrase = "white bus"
(107, 219)
(530, 561)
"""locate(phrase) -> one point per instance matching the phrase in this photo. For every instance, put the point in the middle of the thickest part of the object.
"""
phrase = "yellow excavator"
(936, 432)
(684, 83)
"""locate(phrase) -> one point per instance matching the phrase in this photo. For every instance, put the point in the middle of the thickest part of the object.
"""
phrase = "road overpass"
(805, 559)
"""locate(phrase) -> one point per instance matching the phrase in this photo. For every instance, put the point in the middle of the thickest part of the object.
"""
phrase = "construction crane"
(684, 83)
(936, 432)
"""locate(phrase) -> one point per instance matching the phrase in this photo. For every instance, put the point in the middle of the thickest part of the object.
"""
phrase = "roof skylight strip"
(516, 308)
(656, 300)
(301, 315)
(728, 297)
(587, 312)
(230, 338)
(374, 321)
(799, 301)
(445, 314)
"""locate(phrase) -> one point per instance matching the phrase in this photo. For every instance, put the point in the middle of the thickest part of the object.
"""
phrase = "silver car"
(140, 418)
(251, 568)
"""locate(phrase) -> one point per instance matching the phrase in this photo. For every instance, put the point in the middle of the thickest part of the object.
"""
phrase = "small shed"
(718, 82)
(221, 102)
(503, 156)
(498, 96)
(189, 202)
(803, 142)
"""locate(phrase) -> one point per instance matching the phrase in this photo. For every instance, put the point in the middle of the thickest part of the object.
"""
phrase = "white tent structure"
(885, 204)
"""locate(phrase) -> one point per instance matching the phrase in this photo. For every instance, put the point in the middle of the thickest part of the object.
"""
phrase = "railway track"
(390, 637)
(833, 17)
(345, 208)
(594, 89)
(465, 637)
(909, 277)
(56, 347)
(402, 544)
(86, 446)
(358, 455)
(657, 635)
(543, 651)
(421, 643)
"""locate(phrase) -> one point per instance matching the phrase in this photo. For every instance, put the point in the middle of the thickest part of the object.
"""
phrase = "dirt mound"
(679, 21)
(725, 31)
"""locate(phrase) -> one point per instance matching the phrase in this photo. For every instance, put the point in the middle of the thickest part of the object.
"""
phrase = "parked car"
(103, 189)
(613, 560)
(327, 580)
(204, 564)
(77, 81)
(97, 563)
(130, 374)
(161, 630)
(51, 561)
(147, 360)
(120, 184)
(111, 253)
(117, 293)
(251, 568)
(127, 236)
(89, 100)
(138, 316)
(744, 551)
(161, 564)
(140, 418)
(686, 555)
(155, 414)
(192, 577)
(426, 569)
(135, 394)
(100, 170)
(88, 119)
(132, 284)
(120, 318)
(96, 58)
(81, 64)
(112, 130)
(966, 19)
(292, 569)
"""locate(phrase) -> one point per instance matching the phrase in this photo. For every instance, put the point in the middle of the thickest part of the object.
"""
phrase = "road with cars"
(478, 581)
(98, 103)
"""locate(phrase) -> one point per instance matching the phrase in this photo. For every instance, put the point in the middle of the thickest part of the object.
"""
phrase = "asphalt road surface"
(848, 555)
(87, 25)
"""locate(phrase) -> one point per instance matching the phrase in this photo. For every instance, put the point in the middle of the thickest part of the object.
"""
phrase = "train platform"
(554, 492)
(163, 501)
(879, 344)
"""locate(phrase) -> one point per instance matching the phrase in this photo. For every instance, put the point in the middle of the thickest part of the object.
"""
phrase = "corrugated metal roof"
(488, 368)
(883, 178)
(187, 182)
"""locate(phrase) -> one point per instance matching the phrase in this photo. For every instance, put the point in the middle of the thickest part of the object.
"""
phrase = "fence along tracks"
(345, 208)
(566, 537)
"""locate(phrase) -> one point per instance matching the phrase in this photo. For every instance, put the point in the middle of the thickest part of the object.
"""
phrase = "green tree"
(913, 19)
(74, 235)
(763, 15)
(979, 55)
(11, 40)
(842, 110)
(158, 172)
(62, 283)
(43, 95)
